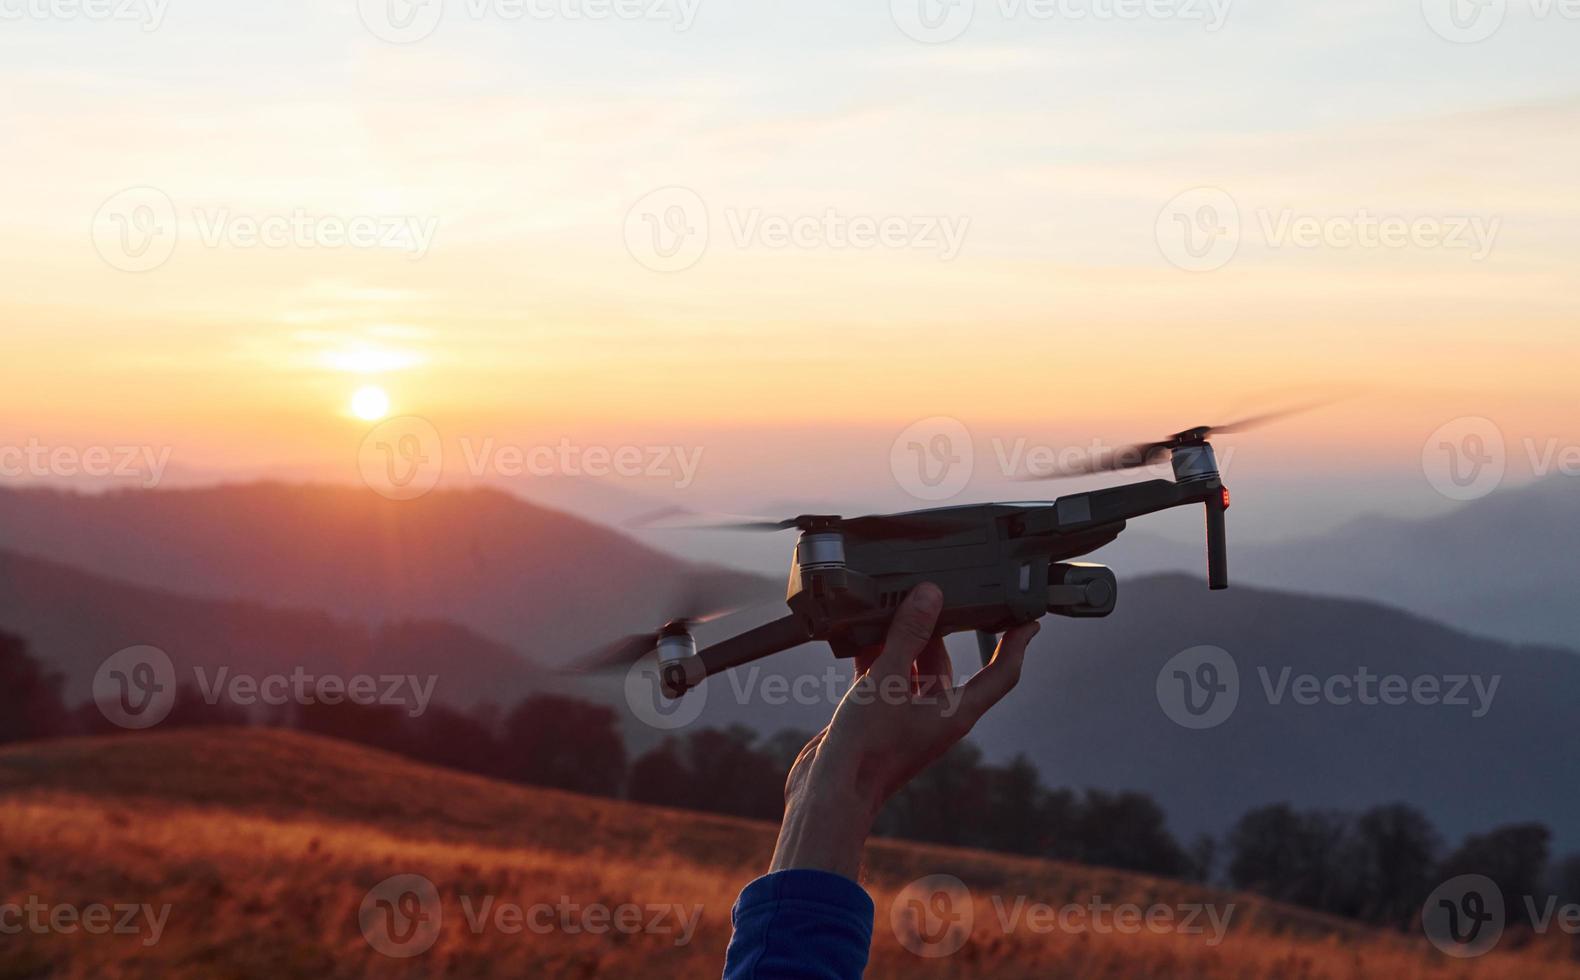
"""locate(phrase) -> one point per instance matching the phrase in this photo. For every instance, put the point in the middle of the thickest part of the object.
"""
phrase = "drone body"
(997, 564)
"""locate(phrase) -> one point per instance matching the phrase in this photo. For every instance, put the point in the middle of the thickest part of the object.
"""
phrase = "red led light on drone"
(1225, 498)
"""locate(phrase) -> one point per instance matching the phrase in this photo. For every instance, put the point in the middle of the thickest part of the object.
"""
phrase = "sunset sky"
(530, 149)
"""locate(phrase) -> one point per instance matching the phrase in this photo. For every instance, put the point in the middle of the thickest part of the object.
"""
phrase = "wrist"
(825, 828)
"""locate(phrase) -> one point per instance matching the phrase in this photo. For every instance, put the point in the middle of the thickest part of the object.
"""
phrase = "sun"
(370, 403)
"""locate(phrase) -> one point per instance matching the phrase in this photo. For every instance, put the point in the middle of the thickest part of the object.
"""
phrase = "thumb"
(910, 631)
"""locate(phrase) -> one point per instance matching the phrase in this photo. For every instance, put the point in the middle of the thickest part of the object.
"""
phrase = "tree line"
(1377, 866)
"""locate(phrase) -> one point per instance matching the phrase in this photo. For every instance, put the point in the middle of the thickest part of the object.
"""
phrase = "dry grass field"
(264, 845)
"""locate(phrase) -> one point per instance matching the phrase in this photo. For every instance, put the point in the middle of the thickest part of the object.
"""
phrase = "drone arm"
(754, 644)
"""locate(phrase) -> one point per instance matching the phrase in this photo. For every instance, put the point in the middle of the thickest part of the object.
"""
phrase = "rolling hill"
(265, 851)
(538, 581)
(73, 620)
(1502, 566)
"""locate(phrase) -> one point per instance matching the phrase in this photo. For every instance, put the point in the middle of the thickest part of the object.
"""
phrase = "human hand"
(901, 713)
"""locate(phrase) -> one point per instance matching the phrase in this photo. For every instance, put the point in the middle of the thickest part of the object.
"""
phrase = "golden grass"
(264, 844)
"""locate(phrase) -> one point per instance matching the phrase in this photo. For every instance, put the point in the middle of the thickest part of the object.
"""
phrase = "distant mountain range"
(1503, 566)
(536, 580)
(73, 620)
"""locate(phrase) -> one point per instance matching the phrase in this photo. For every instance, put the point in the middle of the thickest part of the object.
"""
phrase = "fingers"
(910, 631)
(1001, 674)
(935, 673)
(864, 661)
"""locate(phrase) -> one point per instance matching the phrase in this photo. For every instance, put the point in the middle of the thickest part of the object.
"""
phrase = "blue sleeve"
(800, 925)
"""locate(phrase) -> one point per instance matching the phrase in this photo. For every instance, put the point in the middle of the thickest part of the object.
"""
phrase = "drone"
(998, 565)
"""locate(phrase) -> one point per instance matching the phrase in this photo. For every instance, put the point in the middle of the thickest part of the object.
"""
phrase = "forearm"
(826, 822)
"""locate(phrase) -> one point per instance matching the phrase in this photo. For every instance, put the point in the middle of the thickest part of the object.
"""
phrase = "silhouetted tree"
(1395, 849)
(30, 700)
(660, 777)
(1566, 879)
(379, 726)
(1127, 830)
(945, 804)
(718, 770)
(1294, 857)
(1513, 856)
(549, 740)
(442, 736)
(1202, 859)
(1013, 820)
(729, 769)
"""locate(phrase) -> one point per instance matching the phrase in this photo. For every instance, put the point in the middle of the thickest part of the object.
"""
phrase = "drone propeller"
(875, 526)
(1146, 453)
(627, 650)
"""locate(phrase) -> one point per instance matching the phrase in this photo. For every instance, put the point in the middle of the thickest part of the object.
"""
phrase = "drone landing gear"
(986, 644)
